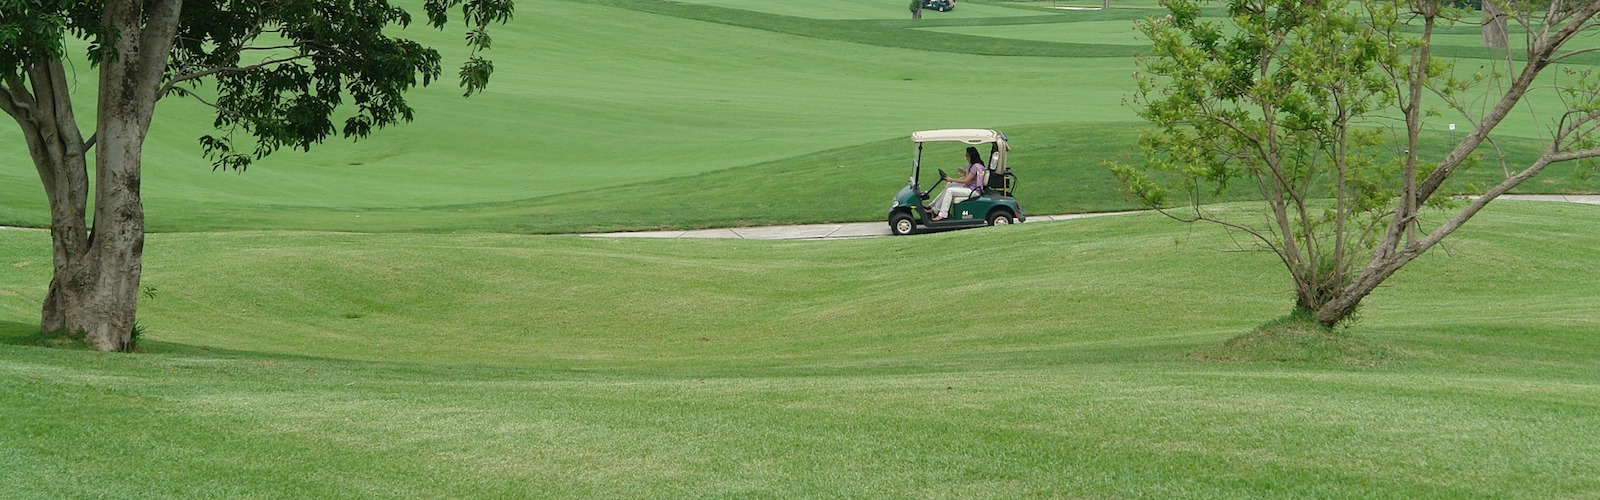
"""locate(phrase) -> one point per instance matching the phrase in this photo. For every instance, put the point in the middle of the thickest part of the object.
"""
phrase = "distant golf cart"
(994, 206)
(939, 5)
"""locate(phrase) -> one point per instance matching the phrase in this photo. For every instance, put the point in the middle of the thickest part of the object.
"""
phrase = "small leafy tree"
(1318, 106)
(274, 70)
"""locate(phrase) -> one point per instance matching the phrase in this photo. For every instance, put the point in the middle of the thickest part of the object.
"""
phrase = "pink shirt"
(980, 176)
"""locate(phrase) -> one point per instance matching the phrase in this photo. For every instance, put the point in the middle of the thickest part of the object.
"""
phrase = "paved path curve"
(881, 228)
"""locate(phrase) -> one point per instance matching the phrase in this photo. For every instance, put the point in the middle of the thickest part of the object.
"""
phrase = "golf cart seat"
(1000, 180)
(999, 183)
(973, 195)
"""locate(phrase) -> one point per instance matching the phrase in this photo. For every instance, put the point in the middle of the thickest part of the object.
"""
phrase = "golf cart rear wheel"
(901, 224)
(1000, 218)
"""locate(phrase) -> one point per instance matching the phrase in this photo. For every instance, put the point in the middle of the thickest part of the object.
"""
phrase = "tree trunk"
(1343, 303)
(103, 282)
(102, 290)
(89, 294)
(42, 107)
(1494, 26)
(94, 292)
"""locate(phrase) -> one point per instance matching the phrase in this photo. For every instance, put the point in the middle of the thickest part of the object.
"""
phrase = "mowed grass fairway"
(608, 115)
(315, 364)
(391, 318)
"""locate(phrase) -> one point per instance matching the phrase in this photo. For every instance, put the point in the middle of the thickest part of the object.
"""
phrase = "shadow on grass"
(15, 333)
(28, 335)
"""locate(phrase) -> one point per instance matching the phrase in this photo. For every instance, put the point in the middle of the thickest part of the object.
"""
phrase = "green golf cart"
(994, 206)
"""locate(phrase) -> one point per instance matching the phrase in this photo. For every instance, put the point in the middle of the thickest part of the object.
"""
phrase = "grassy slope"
(647, 97)
(315, 364)
(428, 365)
(747, 108)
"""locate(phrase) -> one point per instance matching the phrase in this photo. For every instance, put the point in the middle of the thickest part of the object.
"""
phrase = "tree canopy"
(1319, 106)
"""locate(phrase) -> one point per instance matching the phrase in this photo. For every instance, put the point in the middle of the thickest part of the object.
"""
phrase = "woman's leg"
(941, 204)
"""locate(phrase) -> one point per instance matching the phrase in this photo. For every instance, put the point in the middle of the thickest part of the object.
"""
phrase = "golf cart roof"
(974, 136)
(966, 135)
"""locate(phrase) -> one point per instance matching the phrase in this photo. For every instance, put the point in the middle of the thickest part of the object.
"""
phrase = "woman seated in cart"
(966, 186)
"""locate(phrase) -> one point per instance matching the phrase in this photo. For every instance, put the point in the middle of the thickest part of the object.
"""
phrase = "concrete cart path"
(881, 228)
(804, 231)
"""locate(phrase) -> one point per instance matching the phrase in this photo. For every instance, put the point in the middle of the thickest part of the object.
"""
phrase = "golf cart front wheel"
(1000, 218)
(901, 224)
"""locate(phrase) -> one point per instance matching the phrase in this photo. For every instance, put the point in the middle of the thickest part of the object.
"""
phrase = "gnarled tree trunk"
(97, 269)
(96, 275)
(57, 148)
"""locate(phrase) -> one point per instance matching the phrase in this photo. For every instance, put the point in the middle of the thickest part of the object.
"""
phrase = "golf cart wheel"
(901, 224)
(1000, 218)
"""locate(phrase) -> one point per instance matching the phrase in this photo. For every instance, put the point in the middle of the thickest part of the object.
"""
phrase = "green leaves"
(283, 69)
(30, 30)
(475, 74)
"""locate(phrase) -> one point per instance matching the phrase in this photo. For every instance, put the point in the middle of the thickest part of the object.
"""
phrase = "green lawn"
(391, 318)
(1106, 32)
(647, 98)
(853, 9)
(664, 98)
(333, 364)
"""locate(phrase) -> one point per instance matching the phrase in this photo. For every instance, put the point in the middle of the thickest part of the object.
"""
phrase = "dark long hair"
(973, 156)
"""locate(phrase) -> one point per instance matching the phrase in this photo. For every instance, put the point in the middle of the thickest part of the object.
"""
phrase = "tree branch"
(275, 47)
(224, 69)
(18, 102)
(1540, 50)
(57, 105)
(157, 39)
(1201, 217)
(1557, 58)
(1575, 155)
